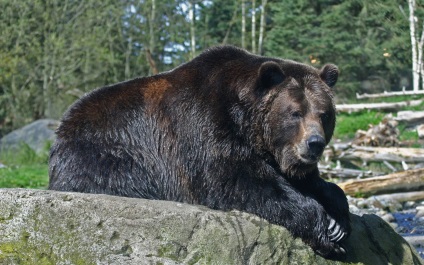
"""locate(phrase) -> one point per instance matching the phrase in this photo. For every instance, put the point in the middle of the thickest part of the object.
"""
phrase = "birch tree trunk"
(192, 31)
(253, 26)
(151, 27)
(420, 57)
(128, 53)
(262, 27)
(415, 69)
(151, 49)
(243, 24)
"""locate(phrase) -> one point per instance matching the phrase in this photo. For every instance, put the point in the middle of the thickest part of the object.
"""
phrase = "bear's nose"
(316, 144)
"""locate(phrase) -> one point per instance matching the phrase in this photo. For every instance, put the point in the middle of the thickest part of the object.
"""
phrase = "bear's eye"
(324, 117)
(297, 114)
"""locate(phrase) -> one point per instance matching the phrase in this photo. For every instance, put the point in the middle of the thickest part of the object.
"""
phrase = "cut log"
(390, 94)
(381, 154)
(377, 106)
(410, 180)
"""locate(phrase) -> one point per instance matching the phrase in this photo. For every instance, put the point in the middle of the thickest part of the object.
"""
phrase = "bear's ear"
(329, 74)
(270, 74)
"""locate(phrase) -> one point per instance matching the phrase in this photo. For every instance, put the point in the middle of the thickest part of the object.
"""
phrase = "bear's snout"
(315, 144)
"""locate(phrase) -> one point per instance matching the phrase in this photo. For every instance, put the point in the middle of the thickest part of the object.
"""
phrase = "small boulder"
(35, 135)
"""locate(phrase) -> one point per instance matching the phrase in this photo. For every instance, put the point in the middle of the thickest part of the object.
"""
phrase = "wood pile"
(385, 133)
(403, 167)
(408, 175)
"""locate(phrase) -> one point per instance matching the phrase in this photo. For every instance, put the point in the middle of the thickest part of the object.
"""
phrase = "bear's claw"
(335, 231)
(340, 251)
(332, 223)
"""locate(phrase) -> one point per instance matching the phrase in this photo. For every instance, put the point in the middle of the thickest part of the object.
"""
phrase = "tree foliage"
(53, 51)
(368, 40)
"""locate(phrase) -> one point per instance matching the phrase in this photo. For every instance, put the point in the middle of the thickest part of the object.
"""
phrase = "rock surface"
(35, 135)
(47, 227)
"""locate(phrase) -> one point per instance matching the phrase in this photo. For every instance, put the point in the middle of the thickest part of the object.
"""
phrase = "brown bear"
(229, 130)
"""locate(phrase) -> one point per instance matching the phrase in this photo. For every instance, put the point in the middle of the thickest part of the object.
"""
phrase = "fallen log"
(377, 106)
(334, 150)
(381, 154)
(410, 180)
(410, 118)
(402, 197)
(390, 94)
(344, 173)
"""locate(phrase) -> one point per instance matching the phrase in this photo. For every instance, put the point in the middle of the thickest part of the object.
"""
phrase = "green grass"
(25, 176)
(348, 123)
(410, 136)
(24, 168)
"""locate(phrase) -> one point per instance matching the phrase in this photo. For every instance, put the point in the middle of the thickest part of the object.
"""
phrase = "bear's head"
(298, 113)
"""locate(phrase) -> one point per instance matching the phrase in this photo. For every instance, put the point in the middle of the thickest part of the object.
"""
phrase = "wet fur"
(217, 131)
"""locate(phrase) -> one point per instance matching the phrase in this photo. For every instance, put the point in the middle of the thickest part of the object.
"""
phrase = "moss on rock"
(46, 227)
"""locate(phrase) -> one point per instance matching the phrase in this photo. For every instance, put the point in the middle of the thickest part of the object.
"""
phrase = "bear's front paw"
(329, 242)
(336, 232)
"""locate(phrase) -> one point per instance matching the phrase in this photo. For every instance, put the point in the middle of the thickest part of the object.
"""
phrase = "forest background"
(54, 51)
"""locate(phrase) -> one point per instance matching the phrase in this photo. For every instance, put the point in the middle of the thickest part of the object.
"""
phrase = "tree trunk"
(243, 24)
(128, 54)
(420, 58)
(230, 25)
(152, 62)
(253, 26)
(262, 27)
(151, 49)
(415, 69)
(151, 27)
(192, 30)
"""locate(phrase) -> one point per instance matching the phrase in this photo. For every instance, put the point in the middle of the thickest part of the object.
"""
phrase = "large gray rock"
(35, 135)
(46, 227)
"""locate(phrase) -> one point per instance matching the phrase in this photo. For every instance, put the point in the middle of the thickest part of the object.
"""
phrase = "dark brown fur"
(229, 130)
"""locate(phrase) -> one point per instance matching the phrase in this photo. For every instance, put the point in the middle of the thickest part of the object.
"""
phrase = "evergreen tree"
(53, 51)
(367, 40)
